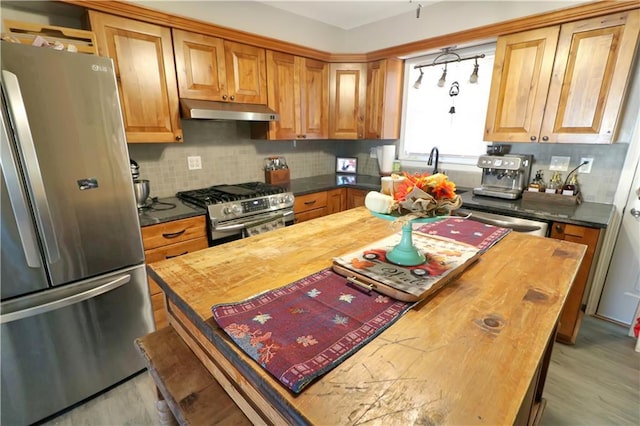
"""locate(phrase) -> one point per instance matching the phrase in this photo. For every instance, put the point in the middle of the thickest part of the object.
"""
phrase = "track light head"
(418, 82)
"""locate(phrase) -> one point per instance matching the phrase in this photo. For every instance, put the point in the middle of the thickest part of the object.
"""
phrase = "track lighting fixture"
(444, 77)
(442, 60)
(418, 82)
(474, 75)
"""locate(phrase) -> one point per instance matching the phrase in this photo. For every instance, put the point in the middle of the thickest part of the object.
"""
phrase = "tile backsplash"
(229, 155)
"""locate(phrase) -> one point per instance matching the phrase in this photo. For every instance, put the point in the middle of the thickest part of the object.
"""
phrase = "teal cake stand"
(405, 253)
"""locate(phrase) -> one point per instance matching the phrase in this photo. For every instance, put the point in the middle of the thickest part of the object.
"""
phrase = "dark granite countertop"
(326, 182)
(162, 211)
(596, 215)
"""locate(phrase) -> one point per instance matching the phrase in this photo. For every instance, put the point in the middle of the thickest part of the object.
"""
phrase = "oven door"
(230, 230)
(525, 226)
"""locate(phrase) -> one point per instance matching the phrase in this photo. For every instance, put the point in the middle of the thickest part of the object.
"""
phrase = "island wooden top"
(467, 355)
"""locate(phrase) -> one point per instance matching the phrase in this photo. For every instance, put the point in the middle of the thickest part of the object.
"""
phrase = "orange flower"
(438, 186)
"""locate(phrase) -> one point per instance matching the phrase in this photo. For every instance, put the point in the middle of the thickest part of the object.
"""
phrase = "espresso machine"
(504, 176)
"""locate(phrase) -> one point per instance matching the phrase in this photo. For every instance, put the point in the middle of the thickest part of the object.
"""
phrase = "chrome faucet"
(430, 160)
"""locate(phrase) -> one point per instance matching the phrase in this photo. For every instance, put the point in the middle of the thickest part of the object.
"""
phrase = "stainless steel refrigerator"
(73, 283)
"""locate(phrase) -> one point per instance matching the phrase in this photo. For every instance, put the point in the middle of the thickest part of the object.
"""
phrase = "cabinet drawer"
(310, 214)
(177, 249)
(308, 202)
(173, 232)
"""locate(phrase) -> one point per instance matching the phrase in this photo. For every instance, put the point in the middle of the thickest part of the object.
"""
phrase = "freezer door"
(68, 343)
(67, 131)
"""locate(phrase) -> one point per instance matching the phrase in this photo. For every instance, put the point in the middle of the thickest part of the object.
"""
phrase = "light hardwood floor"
(595, 382)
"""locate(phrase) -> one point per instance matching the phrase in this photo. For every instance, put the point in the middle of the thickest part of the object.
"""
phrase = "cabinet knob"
(304, 136)
(224, 97)
(533, 138)
(233, 98)
(545, 138)
(178, 137)
(559, 228)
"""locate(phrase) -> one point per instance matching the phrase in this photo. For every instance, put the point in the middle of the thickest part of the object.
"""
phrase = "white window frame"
(419, 160)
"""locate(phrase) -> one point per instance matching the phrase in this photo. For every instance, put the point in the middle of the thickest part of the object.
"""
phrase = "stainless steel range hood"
(212, 110)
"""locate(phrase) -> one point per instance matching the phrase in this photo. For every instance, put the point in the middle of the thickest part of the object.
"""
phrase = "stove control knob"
(287, 199)
(233, 209)
(274, 201)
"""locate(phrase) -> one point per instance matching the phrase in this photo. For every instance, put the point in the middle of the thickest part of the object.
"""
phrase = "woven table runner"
(303, 330)
(466, 231)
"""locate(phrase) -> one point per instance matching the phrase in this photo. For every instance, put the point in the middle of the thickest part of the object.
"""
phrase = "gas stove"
(232, 209)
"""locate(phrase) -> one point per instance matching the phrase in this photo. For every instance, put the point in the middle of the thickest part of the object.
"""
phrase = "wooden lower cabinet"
(336, 200)
(318, 204)
(571, 316)
(355, 197)
(167, 240)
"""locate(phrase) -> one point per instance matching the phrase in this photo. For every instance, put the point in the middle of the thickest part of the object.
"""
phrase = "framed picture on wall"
(346, 165)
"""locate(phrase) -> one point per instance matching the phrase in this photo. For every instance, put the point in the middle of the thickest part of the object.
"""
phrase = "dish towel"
(303, 330)
(466, 231)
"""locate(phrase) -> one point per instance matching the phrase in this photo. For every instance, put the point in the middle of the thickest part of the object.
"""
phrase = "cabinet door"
(355, 197)
(314, 99)
(590, 75)
(246, 73)
(143, 58)
(347, 91)
(199, 66)
(384, 99)
(283, 95)
(519, 85)
(571, 315)
(336, 200)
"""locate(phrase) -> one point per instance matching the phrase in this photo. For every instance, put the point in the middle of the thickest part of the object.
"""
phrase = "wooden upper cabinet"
(145, 73)
(564, 83)
(347, 93)
(246, 73)
(213, 69)
(519, 84)
(384, 99)
(314, 98)
(590, 75)
(199, 65)
(297, 89)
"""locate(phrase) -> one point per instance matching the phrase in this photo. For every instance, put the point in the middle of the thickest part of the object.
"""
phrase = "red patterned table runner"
(467, 231)
(301, 331)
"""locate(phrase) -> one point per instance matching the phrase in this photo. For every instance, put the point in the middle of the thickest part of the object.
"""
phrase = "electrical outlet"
(587, 167)
(194, 162)
(372, 152)
(560, 164)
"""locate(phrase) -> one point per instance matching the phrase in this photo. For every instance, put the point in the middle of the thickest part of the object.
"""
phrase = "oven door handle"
(497, 222)
(241, 226)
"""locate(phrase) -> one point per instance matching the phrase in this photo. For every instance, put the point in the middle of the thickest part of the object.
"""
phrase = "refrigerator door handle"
(24, 139)
(61, 303)
(18, 200)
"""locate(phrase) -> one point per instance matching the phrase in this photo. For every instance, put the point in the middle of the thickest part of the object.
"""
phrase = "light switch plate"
(560, 164)
(194, 162)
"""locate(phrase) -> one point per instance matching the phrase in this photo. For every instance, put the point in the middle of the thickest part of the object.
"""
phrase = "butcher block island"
(476, 352)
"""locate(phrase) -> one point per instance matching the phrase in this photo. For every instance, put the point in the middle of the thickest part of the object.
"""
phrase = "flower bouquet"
(416, 196)
(413, 198)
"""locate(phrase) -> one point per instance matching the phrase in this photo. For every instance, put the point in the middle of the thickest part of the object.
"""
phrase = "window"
(429, 119)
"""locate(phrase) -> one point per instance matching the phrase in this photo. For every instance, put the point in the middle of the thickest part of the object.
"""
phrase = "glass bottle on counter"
(572, 187)
(537, 185)
(555, 184)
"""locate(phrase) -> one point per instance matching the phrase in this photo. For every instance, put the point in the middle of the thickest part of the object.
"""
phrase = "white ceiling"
(348, 14)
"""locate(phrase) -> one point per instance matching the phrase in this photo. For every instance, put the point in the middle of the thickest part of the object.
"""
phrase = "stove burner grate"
(226, 193)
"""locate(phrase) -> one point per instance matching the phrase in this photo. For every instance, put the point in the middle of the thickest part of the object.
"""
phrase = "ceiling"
(348, 14)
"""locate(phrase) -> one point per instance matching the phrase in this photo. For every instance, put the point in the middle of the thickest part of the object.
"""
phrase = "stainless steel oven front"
(224, 231)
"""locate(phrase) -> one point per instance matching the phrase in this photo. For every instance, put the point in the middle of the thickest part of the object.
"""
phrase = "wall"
(228, 155)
